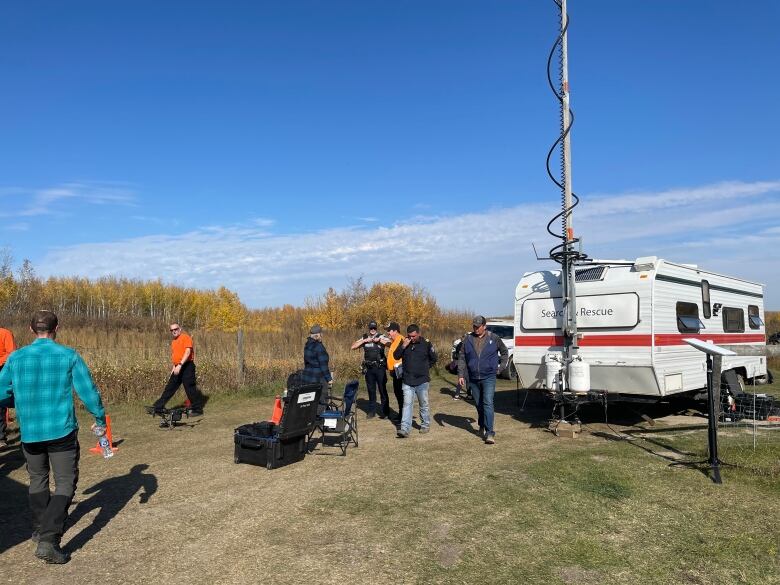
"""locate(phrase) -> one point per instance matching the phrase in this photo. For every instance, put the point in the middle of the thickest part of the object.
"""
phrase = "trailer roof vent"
(590, 274)
(645, 263)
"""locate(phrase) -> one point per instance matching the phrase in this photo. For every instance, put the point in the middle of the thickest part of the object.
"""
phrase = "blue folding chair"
(338, 420)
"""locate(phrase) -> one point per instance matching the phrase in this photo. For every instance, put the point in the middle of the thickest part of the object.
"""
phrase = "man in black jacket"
(418, 355)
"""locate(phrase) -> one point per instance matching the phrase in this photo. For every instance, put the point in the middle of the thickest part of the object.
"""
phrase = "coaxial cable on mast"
(565, 252)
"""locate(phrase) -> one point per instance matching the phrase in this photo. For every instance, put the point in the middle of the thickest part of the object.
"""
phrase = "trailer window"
(733, 320)
(754, 319)
(688, 318)
(705, 299)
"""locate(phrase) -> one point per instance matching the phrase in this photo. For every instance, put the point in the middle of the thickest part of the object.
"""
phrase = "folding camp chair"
(339, 420)
(272, 445)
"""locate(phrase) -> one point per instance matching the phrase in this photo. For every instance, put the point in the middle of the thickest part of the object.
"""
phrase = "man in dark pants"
(7, 346)
(41, 378)
(183, 372)
(394, 366)
(418, 355)
(483, 356)
(374, 364)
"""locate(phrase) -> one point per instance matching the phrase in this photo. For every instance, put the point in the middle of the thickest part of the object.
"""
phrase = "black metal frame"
(346, 428)
(170, 417)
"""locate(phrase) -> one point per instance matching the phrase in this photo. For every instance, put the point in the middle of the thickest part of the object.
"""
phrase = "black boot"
(51, 553)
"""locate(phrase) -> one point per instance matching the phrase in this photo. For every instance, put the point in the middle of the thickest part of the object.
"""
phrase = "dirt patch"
(449, 555)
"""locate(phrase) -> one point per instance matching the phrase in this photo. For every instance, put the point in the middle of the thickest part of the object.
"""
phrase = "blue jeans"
(422, 399)
(484, 391)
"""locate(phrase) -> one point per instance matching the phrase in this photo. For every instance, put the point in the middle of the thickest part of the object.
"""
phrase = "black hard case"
(269, 452)
(289, 441)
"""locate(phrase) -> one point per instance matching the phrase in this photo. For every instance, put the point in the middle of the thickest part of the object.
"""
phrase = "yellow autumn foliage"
(133, 302)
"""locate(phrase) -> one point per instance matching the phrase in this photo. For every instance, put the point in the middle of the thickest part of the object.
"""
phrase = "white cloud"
(468, 261)
(149, 219)
(21, 226)
(49, 200)
(637, 202)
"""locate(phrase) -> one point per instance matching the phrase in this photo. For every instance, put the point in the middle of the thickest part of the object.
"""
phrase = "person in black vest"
(374, 367)
(479, 362)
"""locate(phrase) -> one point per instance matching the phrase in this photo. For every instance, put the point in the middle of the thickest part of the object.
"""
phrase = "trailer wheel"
(510, 373)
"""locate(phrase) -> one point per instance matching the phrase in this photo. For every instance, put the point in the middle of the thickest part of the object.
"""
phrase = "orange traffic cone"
(277, 415)
(96, 448)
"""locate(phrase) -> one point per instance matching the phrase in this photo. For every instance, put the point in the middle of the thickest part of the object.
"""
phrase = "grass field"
(616, 505)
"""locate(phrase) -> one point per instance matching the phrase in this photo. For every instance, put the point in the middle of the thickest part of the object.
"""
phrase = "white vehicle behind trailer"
(505, 329)
(632, 319)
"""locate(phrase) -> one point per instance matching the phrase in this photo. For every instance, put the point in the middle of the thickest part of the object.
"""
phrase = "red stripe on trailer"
(716, 338)
(612, 340)
(634, 340)
(538, 340)
(586, 340)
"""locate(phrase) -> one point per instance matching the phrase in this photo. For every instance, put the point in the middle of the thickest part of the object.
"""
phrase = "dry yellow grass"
(131, 365)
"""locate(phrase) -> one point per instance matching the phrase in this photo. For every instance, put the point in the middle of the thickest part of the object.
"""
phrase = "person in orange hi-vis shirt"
(183, 372)
(7, 345)
(395, 338)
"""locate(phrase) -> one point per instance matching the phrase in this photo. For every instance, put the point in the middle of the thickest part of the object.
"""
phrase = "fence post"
(240, 339)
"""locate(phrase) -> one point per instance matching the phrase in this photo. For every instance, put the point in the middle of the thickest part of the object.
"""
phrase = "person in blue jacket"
(482, 357)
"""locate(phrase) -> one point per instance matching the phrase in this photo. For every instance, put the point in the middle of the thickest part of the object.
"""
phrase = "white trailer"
(632, 318)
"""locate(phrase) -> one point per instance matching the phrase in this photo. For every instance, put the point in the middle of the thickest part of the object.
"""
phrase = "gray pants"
(60, 457)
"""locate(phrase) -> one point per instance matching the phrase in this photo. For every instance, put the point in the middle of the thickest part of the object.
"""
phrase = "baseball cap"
(478, 320)
(393, 326)
(372, 325)
(315, 329)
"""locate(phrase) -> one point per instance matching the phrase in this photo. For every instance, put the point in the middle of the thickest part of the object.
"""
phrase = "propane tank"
(552, 365)
(579, 376)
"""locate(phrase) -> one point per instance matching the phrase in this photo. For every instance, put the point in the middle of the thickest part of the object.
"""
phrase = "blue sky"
(279, 148)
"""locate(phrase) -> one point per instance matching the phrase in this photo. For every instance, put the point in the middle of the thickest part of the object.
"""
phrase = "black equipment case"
(274, 446)
(269, 452)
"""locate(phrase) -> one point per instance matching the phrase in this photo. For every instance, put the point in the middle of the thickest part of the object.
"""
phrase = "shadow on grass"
(461, 422)
(110, 496)
(661, 449)
(16, 526)
(536, 409)
(528, 406)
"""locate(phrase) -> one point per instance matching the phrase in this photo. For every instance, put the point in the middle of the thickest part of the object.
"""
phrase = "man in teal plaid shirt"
(41, 378)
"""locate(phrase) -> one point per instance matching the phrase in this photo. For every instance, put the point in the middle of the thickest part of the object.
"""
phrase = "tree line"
(140, 303)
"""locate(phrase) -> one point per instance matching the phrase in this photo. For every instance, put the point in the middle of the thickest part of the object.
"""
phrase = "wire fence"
(749, 430)
(133, 366)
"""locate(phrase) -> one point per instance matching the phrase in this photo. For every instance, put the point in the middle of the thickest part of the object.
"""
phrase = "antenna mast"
(569, 254)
